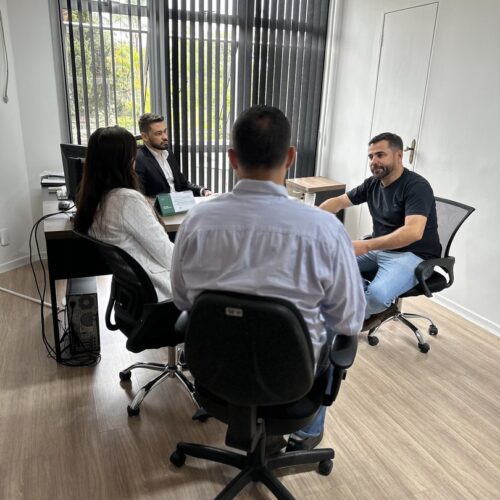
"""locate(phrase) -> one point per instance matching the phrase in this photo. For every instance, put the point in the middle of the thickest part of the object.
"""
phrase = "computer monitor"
(73, 157)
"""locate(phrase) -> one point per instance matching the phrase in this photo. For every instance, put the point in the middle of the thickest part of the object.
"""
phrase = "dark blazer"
(152, 178)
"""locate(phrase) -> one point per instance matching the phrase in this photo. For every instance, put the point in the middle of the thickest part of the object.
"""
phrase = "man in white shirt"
(256, 240)
(156, 166)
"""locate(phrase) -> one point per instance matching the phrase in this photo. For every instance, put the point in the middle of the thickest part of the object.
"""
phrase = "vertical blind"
(199, 63)
(217, 57)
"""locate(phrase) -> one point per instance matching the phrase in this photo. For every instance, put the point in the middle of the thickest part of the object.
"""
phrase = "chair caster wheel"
(325, 467)
(372, 340)
(424, 347)
(133, 412)
(433, 330)
(178, 458)
(125, 375)
(201, 415)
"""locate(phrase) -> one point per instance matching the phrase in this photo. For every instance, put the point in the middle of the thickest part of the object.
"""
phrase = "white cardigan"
(126, 219)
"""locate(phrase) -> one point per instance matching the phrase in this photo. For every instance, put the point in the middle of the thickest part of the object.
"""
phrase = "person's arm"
(336, 204)
(182, 183)
(344, 303)
(142, 174)
(140, 221)
(412, 231)
(179, 291)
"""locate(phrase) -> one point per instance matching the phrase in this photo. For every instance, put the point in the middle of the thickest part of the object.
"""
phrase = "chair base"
(172, 369)
(405, 319)
(255, 466)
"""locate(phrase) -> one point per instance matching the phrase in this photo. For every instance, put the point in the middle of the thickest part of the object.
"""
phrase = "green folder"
(164, 204)
(174, 203)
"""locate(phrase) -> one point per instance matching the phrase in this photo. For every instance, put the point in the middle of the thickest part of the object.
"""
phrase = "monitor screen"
(73, 157)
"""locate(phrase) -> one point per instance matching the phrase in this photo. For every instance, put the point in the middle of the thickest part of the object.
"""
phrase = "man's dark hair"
(261, 137)
(147, 119)
(395, 142)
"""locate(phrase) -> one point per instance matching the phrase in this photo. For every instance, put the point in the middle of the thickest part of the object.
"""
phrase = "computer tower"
(83, 319)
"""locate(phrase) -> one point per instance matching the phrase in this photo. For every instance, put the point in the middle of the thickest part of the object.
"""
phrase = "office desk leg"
(52, 256)
(55, 322)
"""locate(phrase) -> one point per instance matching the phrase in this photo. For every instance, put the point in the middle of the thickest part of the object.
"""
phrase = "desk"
(69, 256)
(322, 189)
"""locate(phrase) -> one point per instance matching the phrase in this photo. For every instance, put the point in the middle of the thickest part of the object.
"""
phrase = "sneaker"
(274, 445)
(377, 319)
(297, 443)
(181, 360)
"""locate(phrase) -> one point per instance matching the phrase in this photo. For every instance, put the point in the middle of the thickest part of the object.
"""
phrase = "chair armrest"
(343, 350)
(111, 304)
(342, 353)
(182, 323)
(425, 269)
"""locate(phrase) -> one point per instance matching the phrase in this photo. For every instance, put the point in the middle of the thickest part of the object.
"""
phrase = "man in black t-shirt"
(403, 211)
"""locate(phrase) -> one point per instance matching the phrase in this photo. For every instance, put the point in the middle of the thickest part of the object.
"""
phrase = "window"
(106, 63)
(199, 63)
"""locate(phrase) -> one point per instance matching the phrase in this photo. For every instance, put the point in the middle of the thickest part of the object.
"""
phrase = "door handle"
(411, 149)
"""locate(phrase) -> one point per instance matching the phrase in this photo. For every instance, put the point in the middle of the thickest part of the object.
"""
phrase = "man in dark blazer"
(156, 166)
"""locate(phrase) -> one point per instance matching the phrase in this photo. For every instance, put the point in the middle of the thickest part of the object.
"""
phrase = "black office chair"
(450, 216)
(147, 323)
(252, 361)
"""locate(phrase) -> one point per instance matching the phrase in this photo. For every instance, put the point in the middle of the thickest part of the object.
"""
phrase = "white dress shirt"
(162, 158)
(126, 219)
(256, 240)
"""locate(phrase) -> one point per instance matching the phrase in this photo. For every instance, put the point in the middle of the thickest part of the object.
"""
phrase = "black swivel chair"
(252, 361)
(147, 323)
(450, 216)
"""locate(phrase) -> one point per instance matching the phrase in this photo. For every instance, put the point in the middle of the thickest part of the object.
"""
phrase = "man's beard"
(383, 171)
(161, 146)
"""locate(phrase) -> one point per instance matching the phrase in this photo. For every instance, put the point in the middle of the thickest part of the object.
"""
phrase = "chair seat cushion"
(436, 283)
(279, 419)
(155, 329)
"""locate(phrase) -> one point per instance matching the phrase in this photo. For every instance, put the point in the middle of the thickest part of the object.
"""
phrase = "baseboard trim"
(468, 314)
(14, 264)
(19, 262)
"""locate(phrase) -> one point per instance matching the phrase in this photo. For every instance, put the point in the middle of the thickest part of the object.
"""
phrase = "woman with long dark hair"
(111, 208)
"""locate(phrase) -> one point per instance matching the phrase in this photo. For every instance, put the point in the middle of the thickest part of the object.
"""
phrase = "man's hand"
(361, 247)
(206, 192)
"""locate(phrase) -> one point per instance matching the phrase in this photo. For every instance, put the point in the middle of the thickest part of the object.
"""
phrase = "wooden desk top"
(61, 224)
(314, 184)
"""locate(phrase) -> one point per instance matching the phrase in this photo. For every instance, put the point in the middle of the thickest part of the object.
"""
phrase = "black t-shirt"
(411, 194)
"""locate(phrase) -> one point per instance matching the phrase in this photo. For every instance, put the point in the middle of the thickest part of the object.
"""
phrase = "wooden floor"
(406, 425)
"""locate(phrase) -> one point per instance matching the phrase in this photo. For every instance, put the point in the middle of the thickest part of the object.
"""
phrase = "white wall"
(39, 106)
(459, 137)
(15, 203)
(30, 124)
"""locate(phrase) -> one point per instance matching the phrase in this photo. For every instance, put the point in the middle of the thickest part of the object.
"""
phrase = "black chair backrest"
(450, 216)
(249, 350)
(131, 287)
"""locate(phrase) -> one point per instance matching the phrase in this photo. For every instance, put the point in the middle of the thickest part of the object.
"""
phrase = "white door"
(403, 70)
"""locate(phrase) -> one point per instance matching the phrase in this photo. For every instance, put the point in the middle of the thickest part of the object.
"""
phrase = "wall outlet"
(4, 237)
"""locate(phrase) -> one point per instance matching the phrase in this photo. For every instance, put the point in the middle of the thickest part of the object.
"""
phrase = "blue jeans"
(395, 275)
(315, 428)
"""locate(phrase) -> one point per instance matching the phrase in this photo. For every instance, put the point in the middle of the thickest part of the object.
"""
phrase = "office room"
(406, 424)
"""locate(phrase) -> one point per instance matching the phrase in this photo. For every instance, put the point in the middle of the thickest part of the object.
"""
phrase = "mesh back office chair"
(147, 323)
(252, 361)
(450, 216)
